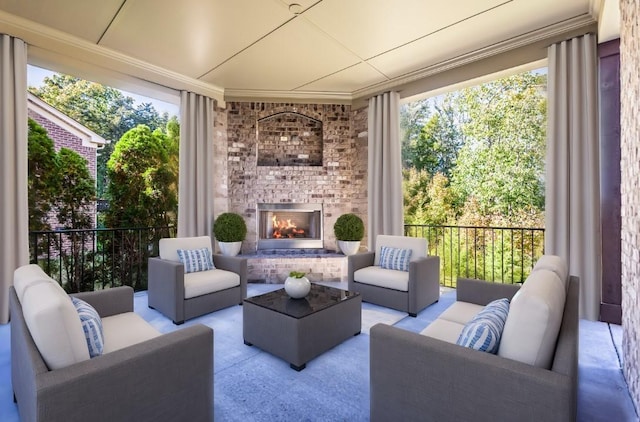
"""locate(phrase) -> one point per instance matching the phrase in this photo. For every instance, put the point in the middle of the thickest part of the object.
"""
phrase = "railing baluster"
(452, 254)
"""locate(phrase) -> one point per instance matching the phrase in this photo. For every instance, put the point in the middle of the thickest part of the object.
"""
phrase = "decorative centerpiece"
(349, 231)
(229, 230)
(297, 285)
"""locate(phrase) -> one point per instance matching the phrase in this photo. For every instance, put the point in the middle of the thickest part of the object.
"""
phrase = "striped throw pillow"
(91, 325)
(484, 331)
(395, 258)
(195, 260)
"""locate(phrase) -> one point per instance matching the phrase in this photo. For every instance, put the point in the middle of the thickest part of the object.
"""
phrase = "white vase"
(297, 288)
(349, 247)
(230, 248)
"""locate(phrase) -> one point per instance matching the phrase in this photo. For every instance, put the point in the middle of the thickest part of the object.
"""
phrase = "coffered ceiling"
(332, 49)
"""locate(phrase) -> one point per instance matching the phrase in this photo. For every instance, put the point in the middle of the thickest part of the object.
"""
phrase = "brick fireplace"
(291, 155)
(289, 226)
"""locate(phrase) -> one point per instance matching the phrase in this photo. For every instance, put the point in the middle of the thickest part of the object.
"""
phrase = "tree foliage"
(487, 145)
(141, 180)
(42, 177)
(104, 110)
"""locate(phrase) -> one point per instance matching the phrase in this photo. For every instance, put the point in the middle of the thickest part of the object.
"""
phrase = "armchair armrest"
(457, 383)
(166, 378)
(482, 292)
(236, 265)
(358, 261)
(424, 283)
(109, 302)
(166, 287)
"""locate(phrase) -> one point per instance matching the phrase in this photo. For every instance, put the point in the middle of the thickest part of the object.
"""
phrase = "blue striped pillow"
(195, 260)
(91, 325)
(484, 331)
(395, 258)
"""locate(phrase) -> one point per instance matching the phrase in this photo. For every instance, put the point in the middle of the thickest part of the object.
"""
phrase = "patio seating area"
(252, 385)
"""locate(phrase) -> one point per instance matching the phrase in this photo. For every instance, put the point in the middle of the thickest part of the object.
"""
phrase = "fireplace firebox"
(289, 226)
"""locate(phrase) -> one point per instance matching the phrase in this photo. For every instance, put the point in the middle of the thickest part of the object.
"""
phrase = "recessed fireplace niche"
(289, 226)
(289, 139)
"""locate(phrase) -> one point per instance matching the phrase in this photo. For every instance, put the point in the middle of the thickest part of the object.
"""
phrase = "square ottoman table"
(298, 330)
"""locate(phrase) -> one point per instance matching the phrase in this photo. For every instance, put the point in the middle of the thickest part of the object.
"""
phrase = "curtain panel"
(14, 212)
(572, 215)
(384, 168)
(195, 184)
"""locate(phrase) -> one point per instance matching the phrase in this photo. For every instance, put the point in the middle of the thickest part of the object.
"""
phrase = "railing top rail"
(98, 230)
(474, 227)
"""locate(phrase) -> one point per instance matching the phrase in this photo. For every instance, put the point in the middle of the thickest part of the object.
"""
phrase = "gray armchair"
(181, 296)
(408, 291)
(165, 378)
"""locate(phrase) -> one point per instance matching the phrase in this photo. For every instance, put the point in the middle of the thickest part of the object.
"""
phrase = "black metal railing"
(499, 254)
(93, 259)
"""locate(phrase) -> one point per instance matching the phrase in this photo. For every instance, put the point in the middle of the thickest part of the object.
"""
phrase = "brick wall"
(630, 191)
(340, 183)
(62, 138)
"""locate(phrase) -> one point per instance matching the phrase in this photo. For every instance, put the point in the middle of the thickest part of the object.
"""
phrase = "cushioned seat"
(90, 357)
(376, 276)
(184, 287)
(203, 282)
(398, 275)
(115, 338)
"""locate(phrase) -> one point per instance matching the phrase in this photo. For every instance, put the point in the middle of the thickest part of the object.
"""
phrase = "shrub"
(229, 227)
(349, 227)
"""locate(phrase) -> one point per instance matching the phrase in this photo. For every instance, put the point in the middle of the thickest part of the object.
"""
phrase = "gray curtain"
(14, 225)
(572, 215)
(384, 168)
(195, 185)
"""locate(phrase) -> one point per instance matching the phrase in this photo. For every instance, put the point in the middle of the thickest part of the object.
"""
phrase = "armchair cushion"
(417, 245)
(124, 330)
(204, 282)
(395, 258)
(483, 332)
(534, 319)
(168, 247)
(195, 260)
(91, 326)
(51, 318)
(381, 277)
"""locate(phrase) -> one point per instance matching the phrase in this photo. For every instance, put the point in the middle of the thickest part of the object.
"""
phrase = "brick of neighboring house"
(66, 132)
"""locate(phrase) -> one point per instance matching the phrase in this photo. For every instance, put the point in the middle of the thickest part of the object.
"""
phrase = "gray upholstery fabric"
(476, 291)
(167, 378)
(166, 289)
(415, 377)
(424, 284)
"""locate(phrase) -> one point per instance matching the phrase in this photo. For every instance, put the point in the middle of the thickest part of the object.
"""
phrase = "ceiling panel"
(371, 27)
(513, 19)
(192, 36)
(294, 55)
(353, 78)
(84, 19)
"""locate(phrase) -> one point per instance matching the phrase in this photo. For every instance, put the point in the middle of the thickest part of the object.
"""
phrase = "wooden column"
(610, 215)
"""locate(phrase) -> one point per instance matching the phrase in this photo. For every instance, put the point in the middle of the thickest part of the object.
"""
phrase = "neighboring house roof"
(89, 138)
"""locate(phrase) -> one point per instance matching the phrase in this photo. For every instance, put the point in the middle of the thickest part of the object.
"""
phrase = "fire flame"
(285, 229)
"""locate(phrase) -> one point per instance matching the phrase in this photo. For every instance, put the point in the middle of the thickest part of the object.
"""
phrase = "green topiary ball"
(229, 227)
(349, 227)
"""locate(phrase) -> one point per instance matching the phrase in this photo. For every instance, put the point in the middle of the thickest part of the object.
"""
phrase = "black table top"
(320, 297)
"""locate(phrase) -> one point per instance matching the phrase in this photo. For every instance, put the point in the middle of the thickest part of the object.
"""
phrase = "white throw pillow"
(534, 319)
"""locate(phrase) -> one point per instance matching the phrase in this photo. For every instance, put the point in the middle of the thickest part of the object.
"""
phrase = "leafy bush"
(229, 227)
(349, 227)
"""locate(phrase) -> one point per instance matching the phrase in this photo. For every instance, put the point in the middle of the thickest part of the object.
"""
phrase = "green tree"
(75, 199)
(42, 177)
(501, 165)
(141, 180)
(104, 110)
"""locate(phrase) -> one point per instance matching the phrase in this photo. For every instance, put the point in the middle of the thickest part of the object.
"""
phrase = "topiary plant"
(229, 227)
(349, 227)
